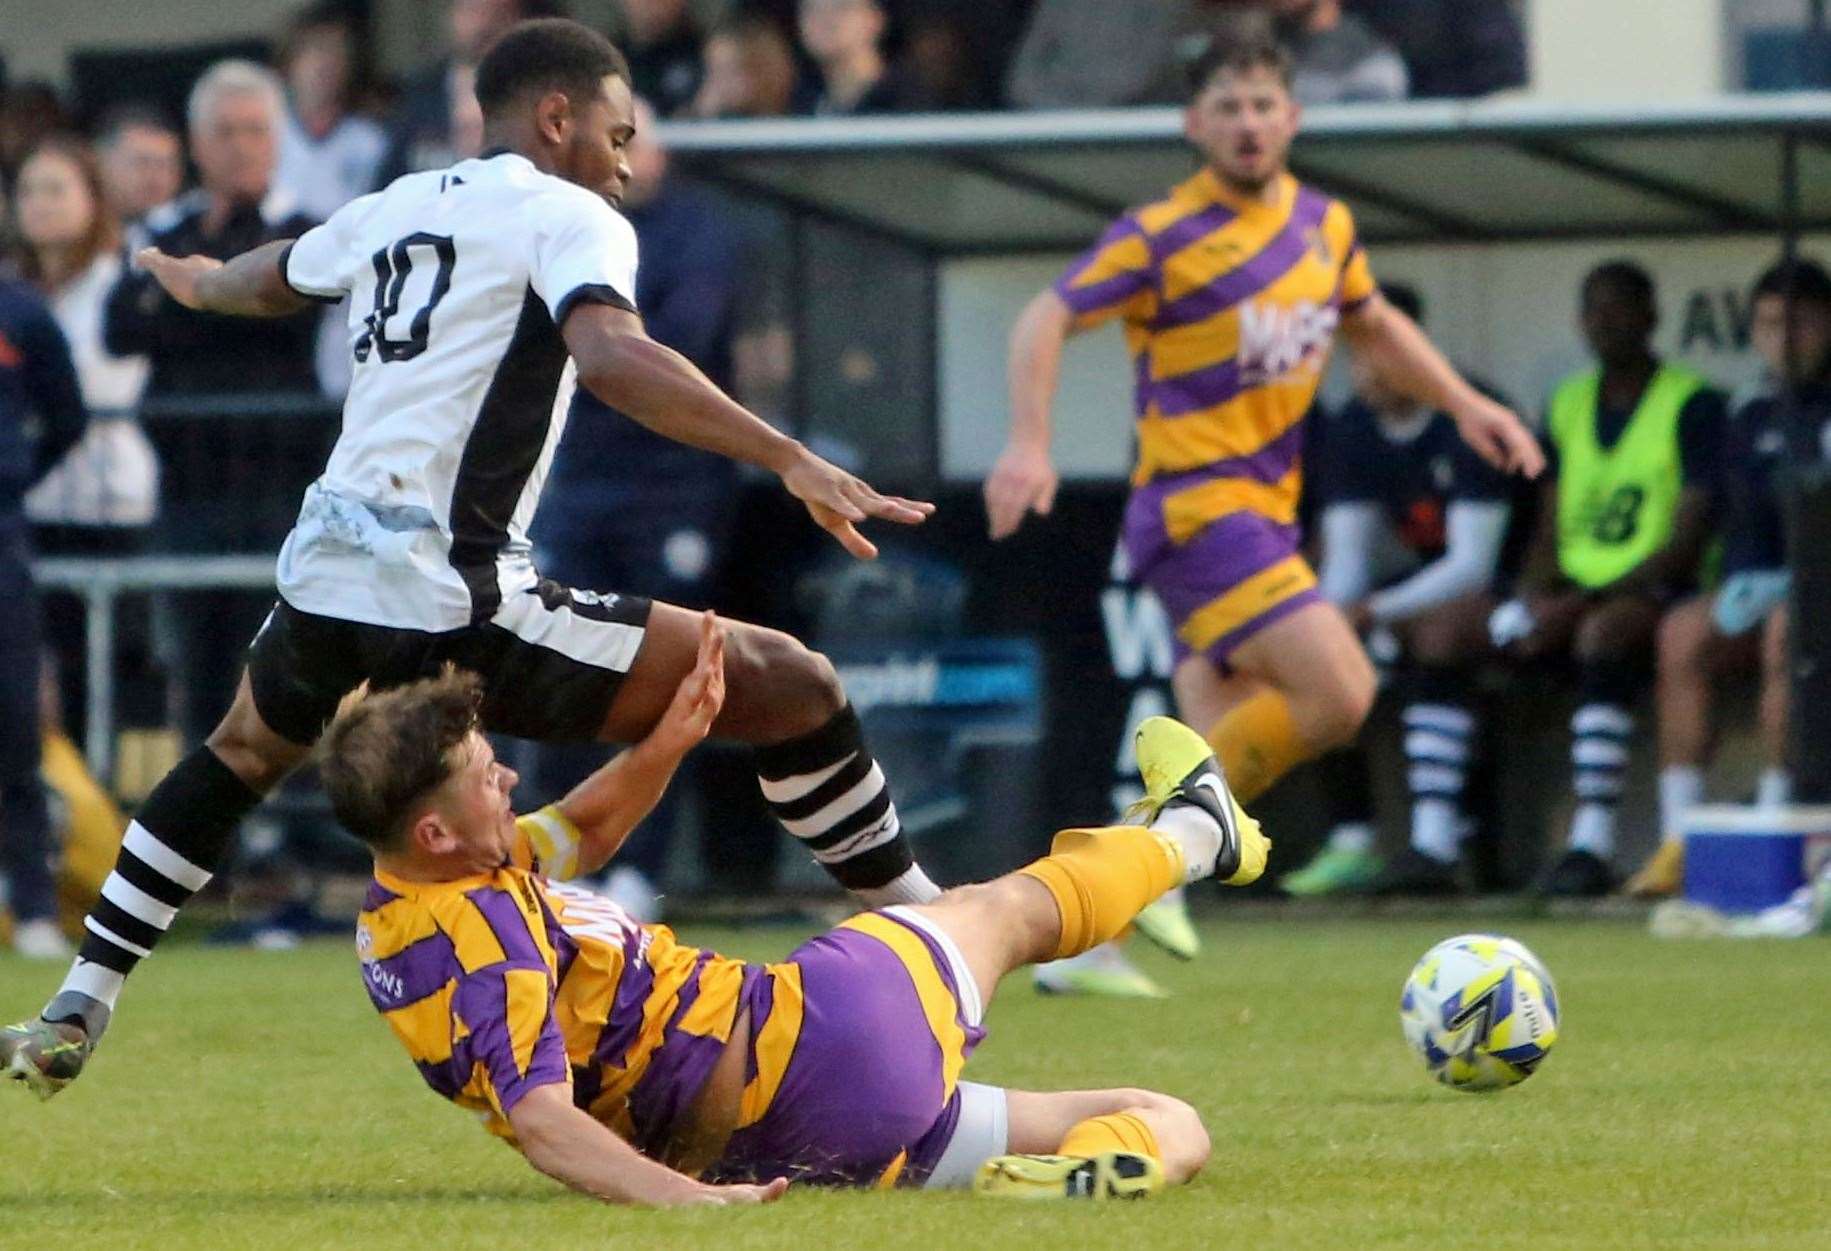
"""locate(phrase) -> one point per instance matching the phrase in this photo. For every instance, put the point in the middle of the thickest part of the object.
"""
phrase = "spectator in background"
(662, 42)
(845, 40)
(37, 386)
(101, 497)
(1079, 55)
(142, 162)
(1452, 48)
(1338, 58)
(236, 111)
(1414, 525)
(328, 154)
(1623, 518)
(749, 71)
(106, 489)
(29, 111)
(421, 133)
(1741, 630)
(626, 509)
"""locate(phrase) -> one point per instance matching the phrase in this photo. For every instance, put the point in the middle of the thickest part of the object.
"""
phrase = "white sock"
(1593, 830)
(1681, 788)
(1354, 836)
(97, 981)
(1775, 790)
(913, 887)
(1436, 829)
(1197, 832)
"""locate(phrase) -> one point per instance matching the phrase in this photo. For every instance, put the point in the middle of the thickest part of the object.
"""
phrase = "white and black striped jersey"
(459, 280)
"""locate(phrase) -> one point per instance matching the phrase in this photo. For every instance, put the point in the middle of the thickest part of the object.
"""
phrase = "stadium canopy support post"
(1809, 545)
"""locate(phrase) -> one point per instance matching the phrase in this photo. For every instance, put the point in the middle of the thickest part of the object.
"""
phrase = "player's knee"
(258, 759)
(797, 688)
(1182, 1139)
(1340, 709)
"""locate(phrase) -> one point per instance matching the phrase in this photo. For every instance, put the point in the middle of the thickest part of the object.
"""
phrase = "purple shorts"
(1223, 584)
(857, 1041)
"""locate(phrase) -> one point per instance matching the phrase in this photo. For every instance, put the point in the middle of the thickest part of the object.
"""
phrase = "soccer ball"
(1480, 1011)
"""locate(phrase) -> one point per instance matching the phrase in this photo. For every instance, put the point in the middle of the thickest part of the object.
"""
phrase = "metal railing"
(100, 583)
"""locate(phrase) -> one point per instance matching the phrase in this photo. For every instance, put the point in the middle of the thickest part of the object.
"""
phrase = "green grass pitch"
(253, 1100)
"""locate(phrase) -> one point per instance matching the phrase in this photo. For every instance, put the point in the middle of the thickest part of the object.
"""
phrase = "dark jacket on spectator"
(38, 392)
(207, 352)
(1453, 48)
(688, 289)
(419, 132)
(666, 74)
(1766, 435)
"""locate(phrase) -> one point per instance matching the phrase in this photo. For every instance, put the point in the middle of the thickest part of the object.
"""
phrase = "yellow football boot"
(1178, 767)
(1111, 1175)
(1662, 876)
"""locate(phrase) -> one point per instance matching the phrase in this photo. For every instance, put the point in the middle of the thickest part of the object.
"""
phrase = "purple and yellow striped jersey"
(502, 982)
(1230, 308)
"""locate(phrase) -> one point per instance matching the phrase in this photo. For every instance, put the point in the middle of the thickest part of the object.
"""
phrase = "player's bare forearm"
(610, 803)
(1399, 351)
(1024, 480)
(1540, 570)
(249, 285)
(615, 799)
(653, 384)
(1035, 367)
(567, 1145)
(1405, 357)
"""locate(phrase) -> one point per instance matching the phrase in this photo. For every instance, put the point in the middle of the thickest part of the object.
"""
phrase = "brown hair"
(1239, 53)
(386, 750)
(104, 233)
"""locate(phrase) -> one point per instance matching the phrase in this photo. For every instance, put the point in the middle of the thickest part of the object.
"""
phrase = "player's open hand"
(1023, 481)
(1499, 437)
(179, 275)
(699, 697)
(726, 1196)
(838, 501)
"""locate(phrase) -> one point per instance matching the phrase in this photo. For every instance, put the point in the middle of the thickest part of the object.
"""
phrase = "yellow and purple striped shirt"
(502, 982)
(1230, 307)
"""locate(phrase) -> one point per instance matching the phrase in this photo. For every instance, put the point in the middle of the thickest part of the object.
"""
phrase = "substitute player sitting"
(640, 1070)
(1231, 290)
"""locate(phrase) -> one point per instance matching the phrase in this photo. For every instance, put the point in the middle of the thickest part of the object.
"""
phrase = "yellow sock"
(1119, 1132)
(1101, 879)
(1257, 743)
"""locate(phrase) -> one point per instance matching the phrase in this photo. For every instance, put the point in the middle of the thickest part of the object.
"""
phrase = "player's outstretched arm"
(1024, 479)
(1410, 361)
(657, 386)
(567, 1145)
(606, 806)
(249, 285)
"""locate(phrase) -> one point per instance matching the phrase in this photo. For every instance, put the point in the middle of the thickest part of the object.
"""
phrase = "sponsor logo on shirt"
(1276, 339)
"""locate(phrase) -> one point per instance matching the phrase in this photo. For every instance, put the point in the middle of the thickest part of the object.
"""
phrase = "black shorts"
(551, 661)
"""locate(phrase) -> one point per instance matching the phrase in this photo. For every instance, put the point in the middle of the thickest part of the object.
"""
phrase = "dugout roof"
(1419, 171)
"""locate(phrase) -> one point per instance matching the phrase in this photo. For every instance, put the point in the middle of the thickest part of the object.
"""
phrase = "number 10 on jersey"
(392, 265)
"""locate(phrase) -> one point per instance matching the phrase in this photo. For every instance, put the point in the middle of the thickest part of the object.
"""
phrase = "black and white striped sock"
(828, 792)
(1599, 735)
(1439, 729)
(167, 855)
